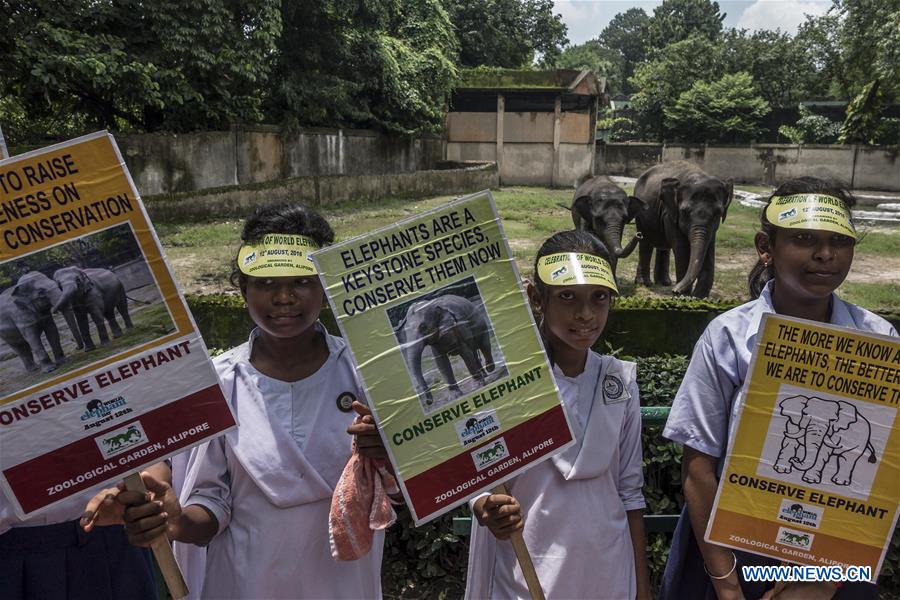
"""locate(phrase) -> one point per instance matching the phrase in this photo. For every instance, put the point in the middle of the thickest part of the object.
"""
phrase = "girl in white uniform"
(801, 262)
(581, 512)
(260, 495)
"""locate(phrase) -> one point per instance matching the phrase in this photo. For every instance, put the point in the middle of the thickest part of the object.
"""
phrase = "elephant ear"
(847, 415)
(792, 408)
(729, 194)
(635, 205)
(668, 195)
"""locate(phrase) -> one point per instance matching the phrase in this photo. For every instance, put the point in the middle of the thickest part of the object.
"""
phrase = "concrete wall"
(165, 163)
(860, 167)
(322, 190)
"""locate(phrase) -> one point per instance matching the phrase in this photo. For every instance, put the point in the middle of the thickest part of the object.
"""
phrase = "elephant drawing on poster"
(95, 292)
(26, 315)
(603, 208)
(685, 208)
(817, 431)
(451, 326)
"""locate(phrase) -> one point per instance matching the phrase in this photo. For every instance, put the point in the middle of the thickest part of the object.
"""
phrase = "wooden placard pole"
(522, 555)
(4, 153)
(162, 550)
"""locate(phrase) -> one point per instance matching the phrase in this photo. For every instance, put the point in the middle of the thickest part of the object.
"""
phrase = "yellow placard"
(813, 466)
(573, 268)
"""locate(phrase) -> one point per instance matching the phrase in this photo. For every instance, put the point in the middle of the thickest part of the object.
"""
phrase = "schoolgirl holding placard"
(805, 247)
(580, 511)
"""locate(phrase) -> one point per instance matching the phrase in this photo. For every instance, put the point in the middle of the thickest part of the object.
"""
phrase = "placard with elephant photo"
(102, 369)
(447, 351)
(813, 466)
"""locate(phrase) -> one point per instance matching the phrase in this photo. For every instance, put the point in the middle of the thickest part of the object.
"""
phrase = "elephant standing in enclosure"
(818, 431)
(451, 326)
(95, 292)
(26, 314)
(685, 208)
(603, 208)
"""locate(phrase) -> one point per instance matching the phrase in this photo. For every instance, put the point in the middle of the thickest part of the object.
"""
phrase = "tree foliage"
(627, 34)
(726, 110)
(811, 128)
(506, 33)
(598, 59)
(677, 20)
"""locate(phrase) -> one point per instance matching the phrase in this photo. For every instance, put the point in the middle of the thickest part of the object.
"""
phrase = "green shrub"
(811, 128)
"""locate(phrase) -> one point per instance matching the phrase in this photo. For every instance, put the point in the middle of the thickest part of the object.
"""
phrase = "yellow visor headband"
(278, 255)
(572, 268)
(811, 211)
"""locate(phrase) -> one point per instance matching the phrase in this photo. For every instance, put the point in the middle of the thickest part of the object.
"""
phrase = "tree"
(627, 35)
(811, 128)
(598, 59)
(727, 110)
(660, 81)
(506, 33)
(677, 20)
(143, 64)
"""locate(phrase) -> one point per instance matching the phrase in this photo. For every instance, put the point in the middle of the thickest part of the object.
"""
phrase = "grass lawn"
(201, 253)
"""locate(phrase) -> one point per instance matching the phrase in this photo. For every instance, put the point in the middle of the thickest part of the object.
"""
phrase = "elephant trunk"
(626, 252)
(699, 239)
(812, 441)
(69, 316)
(65, 298)
(413, 353)
(612, 239)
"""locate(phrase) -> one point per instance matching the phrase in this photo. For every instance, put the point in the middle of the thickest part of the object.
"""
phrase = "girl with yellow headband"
(805, 247)
(258, 498)
(581, 512)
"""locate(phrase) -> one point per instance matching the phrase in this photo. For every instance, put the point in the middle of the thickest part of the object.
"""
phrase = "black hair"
(573, 240)
(761, 273)
(292, 218)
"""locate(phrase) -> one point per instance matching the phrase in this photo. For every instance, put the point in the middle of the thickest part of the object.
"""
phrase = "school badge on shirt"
(614, 390)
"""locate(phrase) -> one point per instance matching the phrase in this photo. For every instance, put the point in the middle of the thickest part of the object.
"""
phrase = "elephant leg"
(682, 251)
(642, 276)
(122, 307)
(52, 332)
(707, 273)
(788, 451)
(484, 344)
(23, 351)
(473, 365)
(97, 318)
(446, 369)
(85, 328)
(814, 475)
(846, 464)
(113, 324)
(32, 335)
(661, 267)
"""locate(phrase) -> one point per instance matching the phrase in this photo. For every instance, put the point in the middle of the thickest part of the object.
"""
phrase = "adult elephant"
(684, 209)
(26, 315)
(95, 292)
(451, 326)
(829, 430)
(603, 208)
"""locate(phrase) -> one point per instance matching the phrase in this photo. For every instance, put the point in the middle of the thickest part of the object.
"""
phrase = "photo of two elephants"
(74, 304)
(827, 442)
(448, 344)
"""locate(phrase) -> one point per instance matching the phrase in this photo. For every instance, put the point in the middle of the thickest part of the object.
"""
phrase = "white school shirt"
(705, 407)
(271, 496)
(574, 504)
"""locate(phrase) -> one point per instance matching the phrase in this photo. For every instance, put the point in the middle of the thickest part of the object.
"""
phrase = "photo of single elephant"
(603, 208)
(26, 314)
(95, 292)
(818, 431)
(451, 326)
(684, 209)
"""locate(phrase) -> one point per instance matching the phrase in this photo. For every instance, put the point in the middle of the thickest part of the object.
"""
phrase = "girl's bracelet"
(726, 575)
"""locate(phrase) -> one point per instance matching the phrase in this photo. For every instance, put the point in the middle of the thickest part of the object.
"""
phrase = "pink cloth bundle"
(360, 506)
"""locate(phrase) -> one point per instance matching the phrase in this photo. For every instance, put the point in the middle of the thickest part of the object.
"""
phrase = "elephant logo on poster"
(798, 539)
(820, 432)
(490, 454)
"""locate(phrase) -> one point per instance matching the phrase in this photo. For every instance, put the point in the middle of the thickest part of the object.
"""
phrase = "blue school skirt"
(61, 562)
(685, 577)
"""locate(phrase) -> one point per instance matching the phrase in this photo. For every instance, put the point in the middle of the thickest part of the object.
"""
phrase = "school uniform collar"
(336, 345)
(840, 314)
